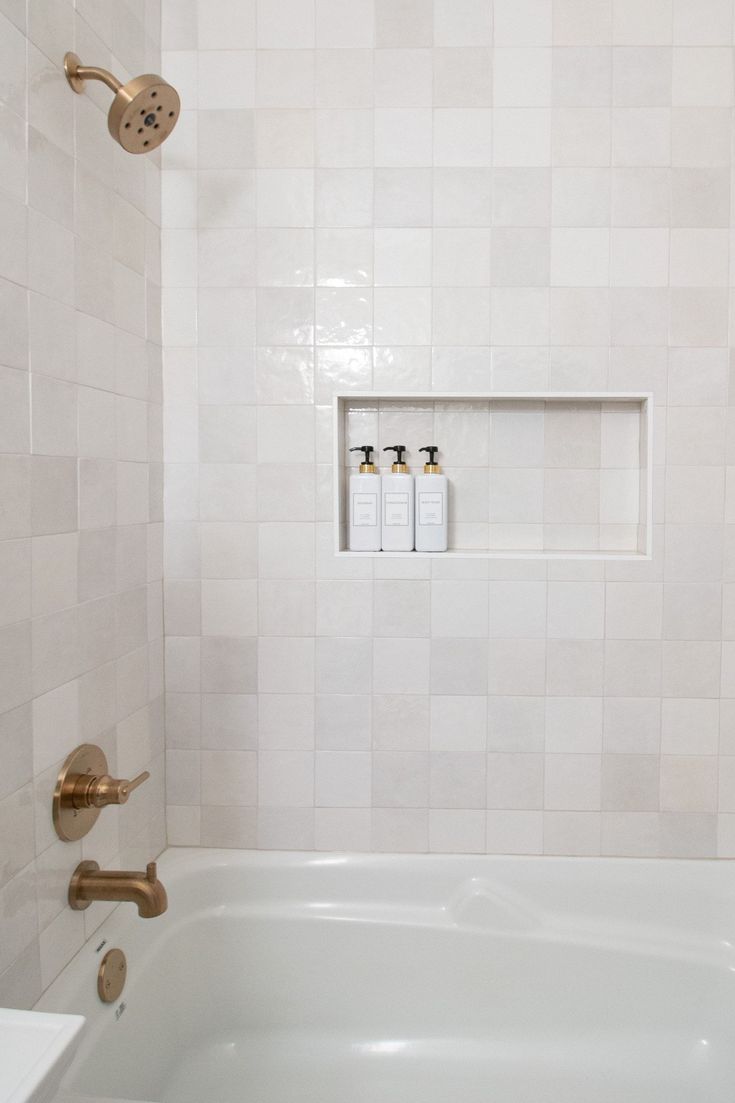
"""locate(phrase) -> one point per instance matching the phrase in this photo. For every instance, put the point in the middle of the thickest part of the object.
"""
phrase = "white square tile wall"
(81, 487)
(444, 197)
(529, 475)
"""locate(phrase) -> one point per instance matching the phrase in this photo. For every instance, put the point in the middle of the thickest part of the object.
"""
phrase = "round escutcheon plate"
(73, 823)
(111, 976)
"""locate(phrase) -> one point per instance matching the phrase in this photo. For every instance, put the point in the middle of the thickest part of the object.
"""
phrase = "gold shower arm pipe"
(93, 72)
(76, 74)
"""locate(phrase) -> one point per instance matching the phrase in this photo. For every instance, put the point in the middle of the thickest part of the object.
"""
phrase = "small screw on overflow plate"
(111, 976)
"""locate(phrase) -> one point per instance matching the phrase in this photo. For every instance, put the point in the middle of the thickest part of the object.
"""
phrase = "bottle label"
(395, 510)
(364, 510)
(431, 508)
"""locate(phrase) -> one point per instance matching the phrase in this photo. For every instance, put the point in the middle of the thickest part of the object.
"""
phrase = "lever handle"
(126, 787)
(151, 873)
(109, 790)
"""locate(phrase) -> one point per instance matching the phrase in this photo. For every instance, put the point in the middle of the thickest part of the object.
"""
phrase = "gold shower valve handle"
(109, 790)
(84, 787)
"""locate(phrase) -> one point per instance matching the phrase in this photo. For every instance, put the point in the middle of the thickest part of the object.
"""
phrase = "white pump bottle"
(431, 505)
(397, 494)
(364, 506)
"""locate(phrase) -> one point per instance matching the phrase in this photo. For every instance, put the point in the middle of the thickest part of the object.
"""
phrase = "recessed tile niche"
(540, 475)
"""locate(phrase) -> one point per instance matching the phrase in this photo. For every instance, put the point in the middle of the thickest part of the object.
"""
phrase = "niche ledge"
(532, 475)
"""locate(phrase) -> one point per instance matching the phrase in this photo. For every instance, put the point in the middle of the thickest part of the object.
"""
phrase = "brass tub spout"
(89, 883)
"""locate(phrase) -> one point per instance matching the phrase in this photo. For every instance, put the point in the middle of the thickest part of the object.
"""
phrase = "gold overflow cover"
(112, 975)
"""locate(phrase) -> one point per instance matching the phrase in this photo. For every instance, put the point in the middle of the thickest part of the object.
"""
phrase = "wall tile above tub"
(557, 222)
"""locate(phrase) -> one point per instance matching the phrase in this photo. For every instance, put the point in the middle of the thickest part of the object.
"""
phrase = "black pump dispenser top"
(431, 467)
(400, 450)
(367, 467)
(368, 449)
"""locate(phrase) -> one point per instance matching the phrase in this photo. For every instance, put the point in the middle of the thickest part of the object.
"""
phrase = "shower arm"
(76, 74)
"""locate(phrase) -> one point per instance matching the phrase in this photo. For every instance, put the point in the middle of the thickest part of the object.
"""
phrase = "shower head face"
(143, 113)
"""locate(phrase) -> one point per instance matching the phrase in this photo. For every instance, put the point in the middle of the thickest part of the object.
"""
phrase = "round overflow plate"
(111, 976)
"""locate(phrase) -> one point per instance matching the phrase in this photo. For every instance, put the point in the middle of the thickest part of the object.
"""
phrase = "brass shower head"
(143, 112)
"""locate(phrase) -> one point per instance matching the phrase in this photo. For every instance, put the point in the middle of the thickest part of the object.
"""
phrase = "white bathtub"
(295, 978)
